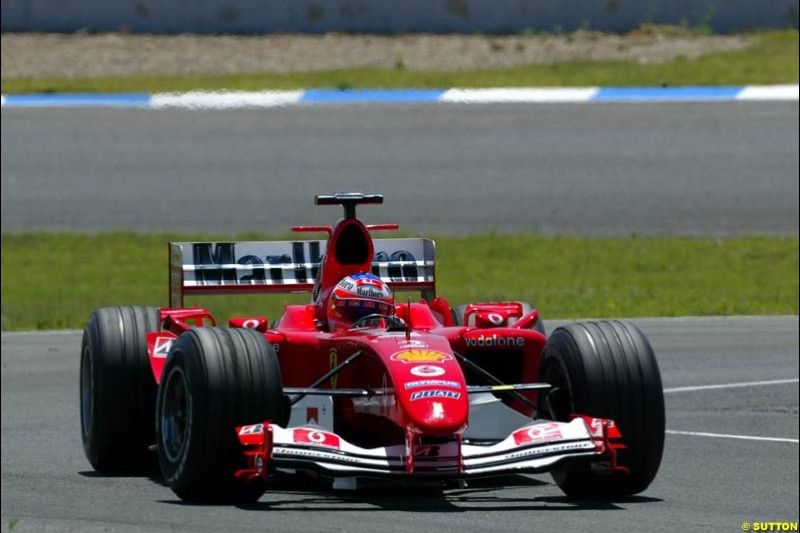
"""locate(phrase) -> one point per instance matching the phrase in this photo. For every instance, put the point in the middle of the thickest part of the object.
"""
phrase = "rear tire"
(215, 380)
(458, 314)
(539, 326)
(606, 370)
(118, 391)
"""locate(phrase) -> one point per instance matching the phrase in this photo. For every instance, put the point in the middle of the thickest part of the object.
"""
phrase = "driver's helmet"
(357, 296)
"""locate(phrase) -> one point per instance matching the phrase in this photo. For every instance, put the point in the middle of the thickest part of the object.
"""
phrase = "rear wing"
(287, 266)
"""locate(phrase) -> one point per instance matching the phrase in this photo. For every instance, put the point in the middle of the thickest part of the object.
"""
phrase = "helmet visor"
(352, 310)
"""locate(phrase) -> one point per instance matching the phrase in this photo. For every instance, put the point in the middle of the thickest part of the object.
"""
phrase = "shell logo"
(421, 356)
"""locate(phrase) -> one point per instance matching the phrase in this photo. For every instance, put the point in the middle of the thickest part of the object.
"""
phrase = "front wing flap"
(536, 447)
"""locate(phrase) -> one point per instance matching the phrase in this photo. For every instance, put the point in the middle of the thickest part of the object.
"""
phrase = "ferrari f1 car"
(412, 391)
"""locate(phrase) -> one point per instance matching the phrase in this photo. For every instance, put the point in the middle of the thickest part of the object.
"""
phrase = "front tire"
(607, 370)
(118, 391)
(214, 380)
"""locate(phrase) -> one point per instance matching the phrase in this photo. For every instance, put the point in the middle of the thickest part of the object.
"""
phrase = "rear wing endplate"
(287, 266)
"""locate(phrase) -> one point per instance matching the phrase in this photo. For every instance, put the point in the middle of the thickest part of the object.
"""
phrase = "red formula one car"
(354, 385)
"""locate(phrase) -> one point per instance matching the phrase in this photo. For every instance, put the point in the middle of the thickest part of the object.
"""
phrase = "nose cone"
(432, 392)
(437, 412)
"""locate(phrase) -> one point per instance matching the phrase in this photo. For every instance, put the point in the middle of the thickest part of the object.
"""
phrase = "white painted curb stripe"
(770, 92)
(731, 385)
(226, 100)
(725, 436)
(521, 95)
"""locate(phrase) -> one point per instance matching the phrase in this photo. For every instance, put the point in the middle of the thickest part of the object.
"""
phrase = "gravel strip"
(30, 55)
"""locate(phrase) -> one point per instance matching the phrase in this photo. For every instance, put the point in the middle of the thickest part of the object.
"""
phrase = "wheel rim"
(559, 396)
(87, 390)
(175, 415)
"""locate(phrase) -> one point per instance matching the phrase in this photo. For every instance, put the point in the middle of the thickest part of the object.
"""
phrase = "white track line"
(732, 385)
(725, 436)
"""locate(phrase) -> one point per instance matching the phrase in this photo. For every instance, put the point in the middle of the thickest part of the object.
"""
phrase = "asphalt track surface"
(705, 483)
(598, 169)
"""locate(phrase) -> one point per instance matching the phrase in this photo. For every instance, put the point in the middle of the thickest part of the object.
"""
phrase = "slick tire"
(215, 379)
(458, 316)
(606, 370)
(118, 391)
(539, 326)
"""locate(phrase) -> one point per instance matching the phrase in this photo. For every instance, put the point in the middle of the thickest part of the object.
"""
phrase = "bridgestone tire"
(215, 379)
(527, 308)
(458, 314)
(118, 391)
(606, 370)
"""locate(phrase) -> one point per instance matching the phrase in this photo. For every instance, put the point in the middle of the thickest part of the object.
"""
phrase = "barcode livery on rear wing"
(287, 266)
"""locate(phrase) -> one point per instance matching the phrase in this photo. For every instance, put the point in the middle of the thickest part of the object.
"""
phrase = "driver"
(357, 296)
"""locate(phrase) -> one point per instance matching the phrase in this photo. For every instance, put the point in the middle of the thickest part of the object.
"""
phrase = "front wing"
(536, 447)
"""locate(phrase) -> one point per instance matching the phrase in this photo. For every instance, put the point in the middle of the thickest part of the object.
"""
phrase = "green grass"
(771, 58)
(52, 281)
